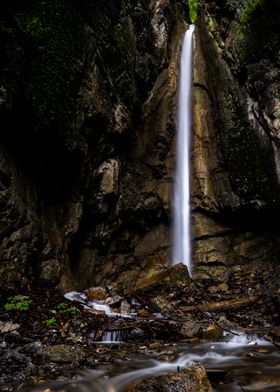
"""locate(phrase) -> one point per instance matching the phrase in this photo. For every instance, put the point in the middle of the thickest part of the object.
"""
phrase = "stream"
(240, 363)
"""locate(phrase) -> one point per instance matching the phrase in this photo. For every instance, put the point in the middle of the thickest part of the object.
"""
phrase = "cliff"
(88, 112)
(236, 150)
(88, 102)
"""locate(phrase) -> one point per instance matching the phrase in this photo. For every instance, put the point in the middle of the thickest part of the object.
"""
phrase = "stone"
(113, 301)
(97, 293)
(160, 275)
(191, 329)
(61, 354)
(213, 333)
(50, 271)
(109, 172)
(137, 335)
(185, 380)
(122, 118)
(157, 238)
(8, 326)
(163, 303)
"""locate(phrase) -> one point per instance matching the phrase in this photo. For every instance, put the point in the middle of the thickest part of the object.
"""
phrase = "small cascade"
(112, 337)
(90, 304)
(181, 198)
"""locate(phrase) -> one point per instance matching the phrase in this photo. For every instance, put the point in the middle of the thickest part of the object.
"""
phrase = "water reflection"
(241, 364)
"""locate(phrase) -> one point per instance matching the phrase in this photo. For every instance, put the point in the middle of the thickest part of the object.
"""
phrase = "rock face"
(87, 135)
(235, 148)
(87, 140)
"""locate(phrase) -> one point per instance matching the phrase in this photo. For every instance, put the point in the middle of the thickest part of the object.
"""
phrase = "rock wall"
(88, 110)
(235, 147)
(87, 103)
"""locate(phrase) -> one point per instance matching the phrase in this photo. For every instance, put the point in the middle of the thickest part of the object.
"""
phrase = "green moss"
(257, 33)
(248, 11)
(41, 41)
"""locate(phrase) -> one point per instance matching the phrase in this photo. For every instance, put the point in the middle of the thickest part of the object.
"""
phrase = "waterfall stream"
(181, 202)
(241, 363)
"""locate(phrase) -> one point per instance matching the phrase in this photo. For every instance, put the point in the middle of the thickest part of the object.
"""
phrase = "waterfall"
(181, 198)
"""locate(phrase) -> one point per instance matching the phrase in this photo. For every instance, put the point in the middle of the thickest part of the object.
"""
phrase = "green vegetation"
(248, 11)
(40, 40)
(18, 303)
(193, 4)
(51, 322)
(66, 310)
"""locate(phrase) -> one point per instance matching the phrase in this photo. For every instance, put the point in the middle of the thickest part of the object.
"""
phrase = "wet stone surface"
(45, 336)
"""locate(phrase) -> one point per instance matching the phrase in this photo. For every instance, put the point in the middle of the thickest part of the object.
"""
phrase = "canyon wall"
(235, 146)
(88, 112)
(87, 105)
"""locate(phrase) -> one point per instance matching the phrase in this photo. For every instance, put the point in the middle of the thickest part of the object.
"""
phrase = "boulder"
(97, 293)
(191, 329)
(187, 380)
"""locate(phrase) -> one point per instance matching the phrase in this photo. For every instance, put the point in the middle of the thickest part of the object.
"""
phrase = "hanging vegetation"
(193, 10)
(248, 10)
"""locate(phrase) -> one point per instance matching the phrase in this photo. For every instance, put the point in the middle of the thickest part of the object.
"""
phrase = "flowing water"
(239, 364)
(181, 198)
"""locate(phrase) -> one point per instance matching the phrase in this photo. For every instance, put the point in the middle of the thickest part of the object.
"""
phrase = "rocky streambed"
(106, 337)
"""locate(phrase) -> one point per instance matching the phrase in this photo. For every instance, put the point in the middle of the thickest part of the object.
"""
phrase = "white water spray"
(181, 229)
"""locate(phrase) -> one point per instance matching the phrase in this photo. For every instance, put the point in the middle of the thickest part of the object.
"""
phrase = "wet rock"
(32, 348)
(186, 380)
(97, 293)
(113, 301)
(156, 238)
(50, 271)
(163, 303)
(125, 307)
(174, 275)
(191, 329)
(8, 326)
(15, 366)
(136, 335)
(60, 354)
(213, 333)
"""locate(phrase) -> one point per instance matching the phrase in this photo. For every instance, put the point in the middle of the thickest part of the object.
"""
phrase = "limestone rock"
(174, 275)
(97, 293)
(186, 380)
